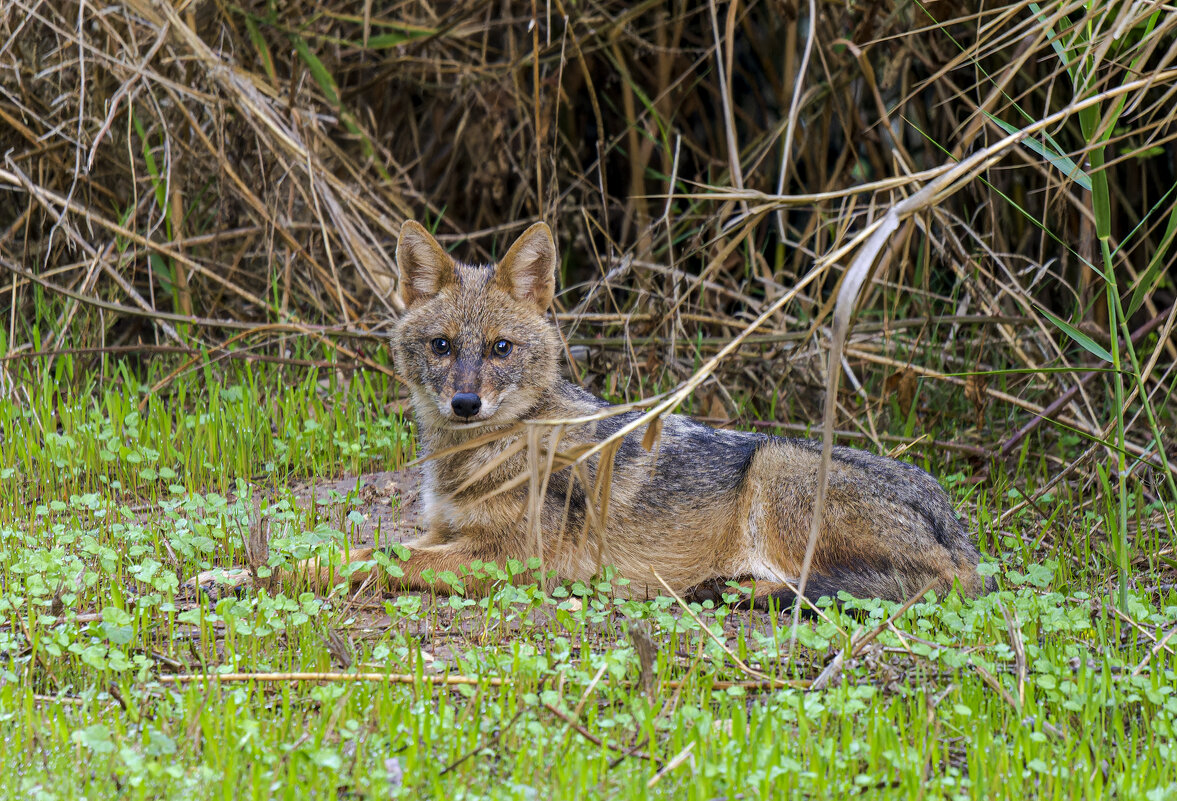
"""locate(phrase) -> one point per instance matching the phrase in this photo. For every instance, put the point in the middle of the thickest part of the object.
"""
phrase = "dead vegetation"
(201, 174)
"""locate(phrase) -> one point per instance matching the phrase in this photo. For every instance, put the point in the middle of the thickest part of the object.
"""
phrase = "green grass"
(105, 508)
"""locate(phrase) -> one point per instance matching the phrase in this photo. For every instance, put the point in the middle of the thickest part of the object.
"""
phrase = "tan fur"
(701, 507)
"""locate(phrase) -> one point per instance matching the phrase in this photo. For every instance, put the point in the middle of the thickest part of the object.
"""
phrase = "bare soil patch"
(389, 501)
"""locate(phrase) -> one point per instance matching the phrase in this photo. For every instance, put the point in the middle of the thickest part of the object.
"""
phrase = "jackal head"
(474, 344)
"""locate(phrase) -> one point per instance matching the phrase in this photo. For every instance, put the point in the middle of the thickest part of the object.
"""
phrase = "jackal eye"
(502, 348)
(440, 345)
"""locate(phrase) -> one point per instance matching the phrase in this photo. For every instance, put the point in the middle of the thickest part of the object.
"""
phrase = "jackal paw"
(217, 583)
(742, 593)
(713, 590)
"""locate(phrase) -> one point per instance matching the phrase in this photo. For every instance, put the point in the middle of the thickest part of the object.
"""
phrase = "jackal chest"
(471, 495)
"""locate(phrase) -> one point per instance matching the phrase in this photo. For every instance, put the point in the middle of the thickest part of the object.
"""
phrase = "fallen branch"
(408, 678)
(592, 738)
(386, 678)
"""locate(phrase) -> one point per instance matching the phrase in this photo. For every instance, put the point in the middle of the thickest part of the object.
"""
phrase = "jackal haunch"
(693, 506)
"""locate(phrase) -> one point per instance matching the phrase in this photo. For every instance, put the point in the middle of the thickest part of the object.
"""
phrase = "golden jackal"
(700, 507)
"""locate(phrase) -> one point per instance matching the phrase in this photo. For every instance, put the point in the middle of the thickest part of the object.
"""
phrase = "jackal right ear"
(528, 270)
(425, 267)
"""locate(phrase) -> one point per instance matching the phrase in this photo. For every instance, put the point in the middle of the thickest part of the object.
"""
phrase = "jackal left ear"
(424, 265)
(528, 271)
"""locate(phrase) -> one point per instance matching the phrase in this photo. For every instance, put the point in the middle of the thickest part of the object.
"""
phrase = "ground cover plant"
(968, 212)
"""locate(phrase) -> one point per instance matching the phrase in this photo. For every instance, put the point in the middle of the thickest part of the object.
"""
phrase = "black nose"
(466, 404)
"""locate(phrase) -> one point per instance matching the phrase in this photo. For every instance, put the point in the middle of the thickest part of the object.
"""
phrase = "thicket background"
(220, 176)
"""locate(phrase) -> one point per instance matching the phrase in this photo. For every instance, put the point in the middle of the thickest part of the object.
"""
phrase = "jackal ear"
(424, 265)
(528, 271)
